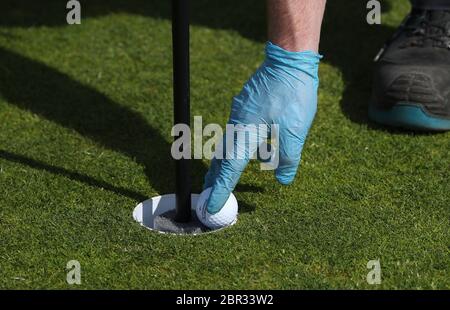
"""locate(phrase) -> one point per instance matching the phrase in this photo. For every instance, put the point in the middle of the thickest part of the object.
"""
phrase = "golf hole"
(154, 214)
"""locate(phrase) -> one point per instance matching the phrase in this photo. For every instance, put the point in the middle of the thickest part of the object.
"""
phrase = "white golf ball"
(225, 217)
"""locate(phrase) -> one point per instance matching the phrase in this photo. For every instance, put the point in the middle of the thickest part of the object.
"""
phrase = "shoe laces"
(426, 28)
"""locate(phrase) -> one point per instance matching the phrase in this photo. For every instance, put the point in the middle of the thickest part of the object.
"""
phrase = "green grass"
(85, 118)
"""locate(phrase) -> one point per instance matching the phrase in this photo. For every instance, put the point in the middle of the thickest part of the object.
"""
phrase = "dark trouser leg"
(431, 4)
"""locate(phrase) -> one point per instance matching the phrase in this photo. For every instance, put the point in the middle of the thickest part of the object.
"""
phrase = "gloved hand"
(283, 91)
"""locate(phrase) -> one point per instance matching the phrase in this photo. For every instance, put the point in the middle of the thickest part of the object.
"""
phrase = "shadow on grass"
(73, 175)
(245, 207)
(35, 87)
(248, 188)
(42, 90)
(348, 42)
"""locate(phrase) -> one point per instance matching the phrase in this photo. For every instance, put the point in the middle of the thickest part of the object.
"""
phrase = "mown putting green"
(85, 119)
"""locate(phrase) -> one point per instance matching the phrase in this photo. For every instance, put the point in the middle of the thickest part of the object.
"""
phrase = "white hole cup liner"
(146, 212)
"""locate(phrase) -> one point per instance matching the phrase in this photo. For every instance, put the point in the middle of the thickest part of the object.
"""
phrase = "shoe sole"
(408, 116)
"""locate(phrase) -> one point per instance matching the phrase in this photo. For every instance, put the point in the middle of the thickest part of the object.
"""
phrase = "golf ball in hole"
(225, 217)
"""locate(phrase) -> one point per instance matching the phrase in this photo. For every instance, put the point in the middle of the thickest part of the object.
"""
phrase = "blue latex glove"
(282, 91)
